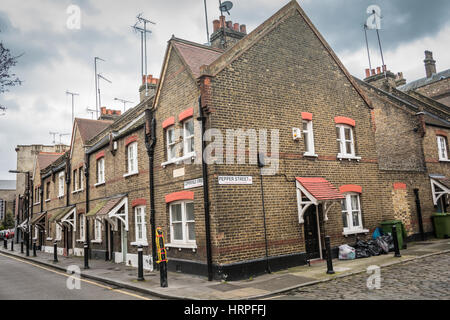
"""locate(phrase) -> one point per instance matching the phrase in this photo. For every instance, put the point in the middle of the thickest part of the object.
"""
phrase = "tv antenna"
(3, 109)
(91, 111)
(100, 76)
(73, 94)
(124, 103)
(96, 84)
(143, 32)
(225, 7)
(54, 134)
(62, 135)
(207, 27)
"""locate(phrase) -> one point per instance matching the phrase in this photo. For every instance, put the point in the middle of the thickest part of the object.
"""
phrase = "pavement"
(184, 286)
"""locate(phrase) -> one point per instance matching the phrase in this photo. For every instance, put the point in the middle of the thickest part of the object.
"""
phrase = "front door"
(311, 233)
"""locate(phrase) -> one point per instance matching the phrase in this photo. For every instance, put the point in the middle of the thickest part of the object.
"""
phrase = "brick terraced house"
(294, 149)
(412, 144)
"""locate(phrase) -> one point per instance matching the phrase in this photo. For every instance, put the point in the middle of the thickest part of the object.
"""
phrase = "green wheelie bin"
(386, 226)
(441, 222)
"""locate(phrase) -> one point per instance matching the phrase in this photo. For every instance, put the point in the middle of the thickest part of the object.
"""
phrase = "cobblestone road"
(423, 279)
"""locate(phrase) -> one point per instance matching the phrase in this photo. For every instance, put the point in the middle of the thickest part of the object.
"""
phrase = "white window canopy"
(111, 210)
(440, 186)
(315, 191)
(70, 219)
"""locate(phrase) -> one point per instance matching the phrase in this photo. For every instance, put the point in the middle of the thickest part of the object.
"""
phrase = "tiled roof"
(196, 55)
(320, 189)
(104, 206)
(90, 128)
(425, 81)
(45, 159)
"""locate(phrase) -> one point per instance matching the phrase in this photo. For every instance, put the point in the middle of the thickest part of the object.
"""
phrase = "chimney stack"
(109, 114)
(430, 64)
(152, 83)
(226, 33)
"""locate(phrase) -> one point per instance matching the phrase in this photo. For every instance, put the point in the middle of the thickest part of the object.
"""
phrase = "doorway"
(312, 241)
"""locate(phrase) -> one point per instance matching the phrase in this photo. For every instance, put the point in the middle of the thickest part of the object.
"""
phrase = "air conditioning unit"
(296, 134)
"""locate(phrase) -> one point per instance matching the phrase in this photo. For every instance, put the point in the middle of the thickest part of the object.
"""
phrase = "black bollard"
(21, 246)
(12, 245)
(396, 246)
(27, 245)
(55, 252)
(140, 264)
(5, 243)
(34, 249)
(329, 257)
(86, 255)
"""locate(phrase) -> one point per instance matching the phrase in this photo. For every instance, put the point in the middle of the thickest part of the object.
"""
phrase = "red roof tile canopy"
(320, 189)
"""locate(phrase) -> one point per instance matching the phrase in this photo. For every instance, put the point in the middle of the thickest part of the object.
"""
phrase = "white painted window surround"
(182, 225)
(140, 226)
(352, 214)
(61, 182)
(442, 148)
(346, 142)
(132, 159)
(308, 138)
(100, 171)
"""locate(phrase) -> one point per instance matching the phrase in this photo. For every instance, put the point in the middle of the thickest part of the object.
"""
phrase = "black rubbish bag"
(383, 245)
(373, 248)
(361, 253)
(389, 240)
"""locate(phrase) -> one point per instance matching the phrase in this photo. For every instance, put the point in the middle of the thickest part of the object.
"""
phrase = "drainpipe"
(206, 202)
(150, 142)
(86, 183)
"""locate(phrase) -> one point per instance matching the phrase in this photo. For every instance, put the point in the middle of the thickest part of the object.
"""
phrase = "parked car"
(2, 234)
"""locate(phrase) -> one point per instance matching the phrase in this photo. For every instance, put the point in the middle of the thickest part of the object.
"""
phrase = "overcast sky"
(57, 58)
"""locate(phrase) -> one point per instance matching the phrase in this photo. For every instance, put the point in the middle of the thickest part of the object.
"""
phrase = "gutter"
(206, 202)
(150, 142)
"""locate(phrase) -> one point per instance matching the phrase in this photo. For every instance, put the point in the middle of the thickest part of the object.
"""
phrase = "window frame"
(100, 171)
(140, 211)
(349, 210)
(442, 140)
(169, 144)
(188, 138)
(341, 139)
(61, 182)
(184, 223)
(82, 227)
(97, 225)
(132, 149)
(58, 232)
(308, 137)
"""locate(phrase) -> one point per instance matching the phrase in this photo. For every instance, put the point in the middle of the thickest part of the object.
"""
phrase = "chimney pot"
(103, 110)
(367, 73)
(378, 70)
(230, 24)
(243, 28)
(373, 72)
(236, 27)
(216, 25)
(222, 21)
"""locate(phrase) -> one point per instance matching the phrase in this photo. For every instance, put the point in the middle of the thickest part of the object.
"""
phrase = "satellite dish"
(226, 7)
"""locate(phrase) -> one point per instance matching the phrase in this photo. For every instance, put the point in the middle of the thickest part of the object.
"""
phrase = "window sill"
(348, 157)
(180, 246)
(358, 231)
(191, 156)
(310, 155)
(48, 200)
(130, 174)
(49, 239)
(139, 243)
(99, 184)
(60, 197)
(444, 160)
(77, 191)
(96, 241)
(35, 204)
(80, 241)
